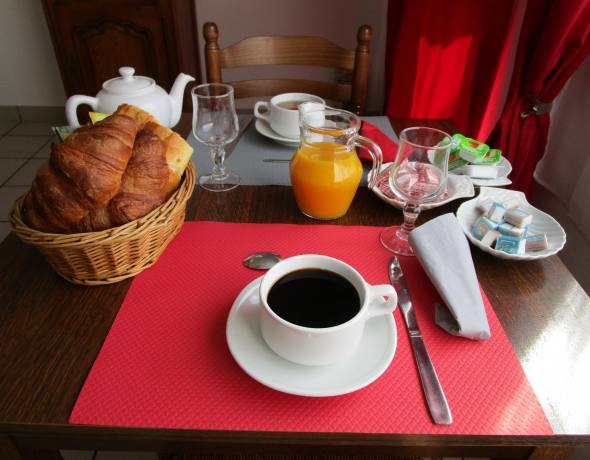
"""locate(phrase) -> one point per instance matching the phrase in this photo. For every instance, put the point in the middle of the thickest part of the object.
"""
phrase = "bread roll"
(107, 174)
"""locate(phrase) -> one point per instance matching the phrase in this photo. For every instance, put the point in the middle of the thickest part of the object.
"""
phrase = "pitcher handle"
(375, 152)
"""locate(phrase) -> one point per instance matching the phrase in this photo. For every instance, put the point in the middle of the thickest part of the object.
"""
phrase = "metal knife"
(435, 398)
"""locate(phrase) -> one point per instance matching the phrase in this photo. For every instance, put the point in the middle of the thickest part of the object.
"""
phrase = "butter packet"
(491, 158)
(455, 161)
(473, 151)
(62, 132)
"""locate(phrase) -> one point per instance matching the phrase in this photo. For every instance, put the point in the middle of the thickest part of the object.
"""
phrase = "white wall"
(336, 20)
(29, 74)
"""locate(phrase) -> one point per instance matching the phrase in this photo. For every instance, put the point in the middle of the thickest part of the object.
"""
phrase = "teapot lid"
(128, 83)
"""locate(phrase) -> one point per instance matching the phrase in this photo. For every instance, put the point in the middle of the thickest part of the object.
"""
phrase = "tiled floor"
(24, 145)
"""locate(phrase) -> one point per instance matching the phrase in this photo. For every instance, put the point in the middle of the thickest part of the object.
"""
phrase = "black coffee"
(314, 298)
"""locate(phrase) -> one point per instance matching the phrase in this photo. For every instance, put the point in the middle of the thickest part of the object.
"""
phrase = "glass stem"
(411, 212)
(218, 157)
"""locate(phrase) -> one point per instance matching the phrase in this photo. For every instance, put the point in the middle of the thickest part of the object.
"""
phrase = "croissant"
(107, 174)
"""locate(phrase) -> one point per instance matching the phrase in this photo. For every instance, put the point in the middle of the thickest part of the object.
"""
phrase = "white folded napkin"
(443, 250)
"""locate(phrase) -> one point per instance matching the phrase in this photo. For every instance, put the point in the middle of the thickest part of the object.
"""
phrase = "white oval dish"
(541, 223)
(457, 187)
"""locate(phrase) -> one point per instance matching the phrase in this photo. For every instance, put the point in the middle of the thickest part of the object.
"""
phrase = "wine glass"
(417, 176)
(215, 124)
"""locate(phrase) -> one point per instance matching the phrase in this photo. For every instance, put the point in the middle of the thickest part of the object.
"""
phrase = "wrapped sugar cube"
(490, 237)
(496, 212)
(518, 217)
(484, 204)
(536, 242)
(512, 230)
(510, 244)
(482, 226)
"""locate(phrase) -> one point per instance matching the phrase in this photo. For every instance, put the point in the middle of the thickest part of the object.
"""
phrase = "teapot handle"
(375, 152)
(72, 105)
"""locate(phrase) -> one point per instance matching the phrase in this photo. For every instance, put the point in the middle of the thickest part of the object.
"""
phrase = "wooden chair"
(293, 50)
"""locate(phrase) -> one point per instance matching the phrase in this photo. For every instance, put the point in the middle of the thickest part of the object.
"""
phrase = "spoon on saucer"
(261, 260)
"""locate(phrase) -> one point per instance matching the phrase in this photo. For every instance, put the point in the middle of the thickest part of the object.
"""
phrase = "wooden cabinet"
(93, 38)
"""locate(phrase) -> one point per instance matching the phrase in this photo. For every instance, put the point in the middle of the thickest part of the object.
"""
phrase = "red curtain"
(451, 60)
(554, 41)
(454, 59)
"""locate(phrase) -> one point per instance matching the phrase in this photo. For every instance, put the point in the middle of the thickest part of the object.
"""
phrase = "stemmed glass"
(215, 124)
(417, 176)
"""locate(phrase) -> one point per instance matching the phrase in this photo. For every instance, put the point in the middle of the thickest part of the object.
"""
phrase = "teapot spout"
(176, 97)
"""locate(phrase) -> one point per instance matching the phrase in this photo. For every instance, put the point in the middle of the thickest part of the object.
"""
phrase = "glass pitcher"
(325, 170)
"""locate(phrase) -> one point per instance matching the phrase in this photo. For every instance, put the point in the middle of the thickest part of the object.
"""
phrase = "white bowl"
(541, 223)
(457, 187)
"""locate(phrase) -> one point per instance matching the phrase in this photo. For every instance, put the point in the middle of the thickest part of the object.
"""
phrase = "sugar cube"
(512, 230)
(518, 217)
(496, 212)
(484, 204)
(536, 242)
(510, 244)
(482, 226)
(490, 237)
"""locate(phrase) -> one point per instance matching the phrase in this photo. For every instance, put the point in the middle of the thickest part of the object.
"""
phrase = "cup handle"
(375, 152)
(377, 304)
(264, 115)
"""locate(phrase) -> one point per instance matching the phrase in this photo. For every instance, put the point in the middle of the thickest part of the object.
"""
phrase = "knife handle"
(435, 398)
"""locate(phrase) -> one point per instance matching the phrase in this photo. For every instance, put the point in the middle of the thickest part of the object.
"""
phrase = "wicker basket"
(111, 255)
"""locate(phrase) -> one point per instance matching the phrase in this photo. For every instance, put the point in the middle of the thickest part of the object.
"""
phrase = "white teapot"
(136, 90)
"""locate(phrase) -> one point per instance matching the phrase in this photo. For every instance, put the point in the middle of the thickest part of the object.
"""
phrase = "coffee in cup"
(315, 308)
(282, 112)
(315, 298)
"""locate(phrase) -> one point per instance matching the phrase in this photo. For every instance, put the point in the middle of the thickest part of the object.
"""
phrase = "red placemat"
(165, 362)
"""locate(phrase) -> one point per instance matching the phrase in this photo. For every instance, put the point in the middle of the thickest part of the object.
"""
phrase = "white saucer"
(263, 128)
(457, 187)
(249, 349)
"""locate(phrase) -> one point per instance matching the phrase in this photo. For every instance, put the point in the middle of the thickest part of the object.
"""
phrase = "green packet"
(62, 132)
(456, 142)
(493, 157)
(473, 151)
(455, 161)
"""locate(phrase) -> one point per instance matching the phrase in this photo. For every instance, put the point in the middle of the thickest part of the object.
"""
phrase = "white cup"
(284, 121)
(328, 345)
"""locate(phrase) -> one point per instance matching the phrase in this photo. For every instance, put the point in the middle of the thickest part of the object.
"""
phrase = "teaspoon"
(261, 260)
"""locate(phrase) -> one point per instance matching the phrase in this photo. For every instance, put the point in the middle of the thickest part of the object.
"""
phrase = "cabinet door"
(92, 39)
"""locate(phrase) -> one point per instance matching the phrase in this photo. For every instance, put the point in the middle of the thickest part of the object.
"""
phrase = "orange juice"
(325, 177)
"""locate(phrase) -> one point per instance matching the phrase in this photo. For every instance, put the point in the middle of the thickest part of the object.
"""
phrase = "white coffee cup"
(282, 114)
(328, 345)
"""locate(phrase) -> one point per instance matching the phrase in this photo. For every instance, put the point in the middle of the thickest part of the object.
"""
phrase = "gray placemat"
(260, 160)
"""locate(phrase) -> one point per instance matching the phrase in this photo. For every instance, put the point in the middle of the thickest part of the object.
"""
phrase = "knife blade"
(435, 397)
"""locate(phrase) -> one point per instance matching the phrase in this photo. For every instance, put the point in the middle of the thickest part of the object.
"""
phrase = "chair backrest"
(293, 50)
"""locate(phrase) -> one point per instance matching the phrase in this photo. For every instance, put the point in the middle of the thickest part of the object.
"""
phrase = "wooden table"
(51, 332)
